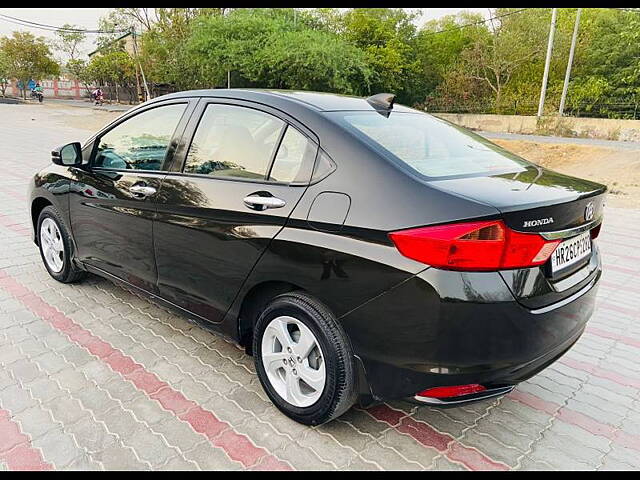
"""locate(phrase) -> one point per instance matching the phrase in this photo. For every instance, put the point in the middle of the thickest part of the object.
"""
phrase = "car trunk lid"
(538, 200)
(532, 200)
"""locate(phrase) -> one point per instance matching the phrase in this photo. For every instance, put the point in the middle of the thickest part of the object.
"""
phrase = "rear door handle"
(142, 190)
(262, 203)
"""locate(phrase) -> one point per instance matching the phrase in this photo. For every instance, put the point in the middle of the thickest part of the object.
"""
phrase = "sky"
(88, 18)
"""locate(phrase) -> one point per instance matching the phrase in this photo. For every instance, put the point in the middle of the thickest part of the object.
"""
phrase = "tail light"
(474, 246)
(447, 392)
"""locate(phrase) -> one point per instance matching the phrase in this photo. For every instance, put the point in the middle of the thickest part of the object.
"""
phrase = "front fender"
(50, 186)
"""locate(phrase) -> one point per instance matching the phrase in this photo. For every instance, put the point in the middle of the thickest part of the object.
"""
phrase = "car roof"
(319, 101)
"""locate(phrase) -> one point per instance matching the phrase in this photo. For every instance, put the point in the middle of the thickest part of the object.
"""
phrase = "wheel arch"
(38, 204)
(253, 302)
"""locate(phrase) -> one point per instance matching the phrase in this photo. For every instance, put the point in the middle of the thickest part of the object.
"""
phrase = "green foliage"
(79, 70)
(219, 44)
(68, 42)
(504, 65)
(439, 45)
(614, 52)
(271, 49)
(111, 68)
(456, 60)
(312, 60)
(387, 36)
(28, 57)
(5, 72)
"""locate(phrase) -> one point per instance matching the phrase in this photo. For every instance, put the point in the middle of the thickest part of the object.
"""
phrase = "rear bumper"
(445, 328)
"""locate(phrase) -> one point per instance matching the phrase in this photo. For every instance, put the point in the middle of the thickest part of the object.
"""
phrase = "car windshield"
(430, 146)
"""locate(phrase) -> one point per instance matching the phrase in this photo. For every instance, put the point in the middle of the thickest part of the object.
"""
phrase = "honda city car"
(360, 250)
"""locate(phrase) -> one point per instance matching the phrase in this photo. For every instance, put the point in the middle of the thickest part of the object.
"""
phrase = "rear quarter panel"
(346, 265)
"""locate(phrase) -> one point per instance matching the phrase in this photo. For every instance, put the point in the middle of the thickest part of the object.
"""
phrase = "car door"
(112, 198)
(242, 171)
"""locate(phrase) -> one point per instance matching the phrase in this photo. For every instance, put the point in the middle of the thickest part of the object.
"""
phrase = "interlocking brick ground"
(92, 376)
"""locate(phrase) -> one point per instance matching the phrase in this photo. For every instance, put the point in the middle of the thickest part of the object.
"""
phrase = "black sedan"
(359, 250)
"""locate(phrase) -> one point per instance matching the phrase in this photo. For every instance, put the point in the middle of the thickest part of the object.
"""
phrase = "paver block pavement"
(96, 377)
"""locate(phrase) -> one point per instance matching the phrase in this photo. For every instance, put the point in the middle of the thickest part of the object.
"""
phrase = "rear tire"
(56, 247)
(307, 322)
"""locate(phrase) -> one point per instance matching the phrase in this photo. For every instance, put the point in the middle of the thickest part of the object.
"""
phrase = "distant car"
(359, 250)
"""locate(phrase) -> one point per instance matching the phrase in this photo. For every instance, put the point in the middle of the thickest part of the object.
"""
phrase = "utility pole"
(228, 78)
(565, 88)
(135, 51)
(545, 77)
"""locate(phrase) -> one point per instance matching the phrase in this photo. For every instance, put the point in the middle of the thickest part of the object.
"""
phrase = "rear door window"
(234, 141)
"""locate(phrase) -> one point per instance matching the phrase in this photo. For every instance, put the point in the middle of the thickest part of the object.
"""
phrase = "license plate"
(570, 252)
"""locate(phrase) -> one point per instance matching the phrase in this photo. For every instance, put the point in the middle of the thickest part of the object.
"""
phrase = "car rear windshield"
(430, 146)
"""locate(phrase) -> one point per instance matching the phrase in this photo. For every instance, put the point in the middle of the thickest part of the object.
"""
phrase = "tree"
(148, 18)
(79, 70)
(455, 60)
(116, 69)
(29, 57)
(266, 48)
(440, 42)
(387, 37)
(162, 52)
(609, 68)
(5, 72)
(513, 42)
(69, 41)
(113, 26)
(312, 60)
(232, 42)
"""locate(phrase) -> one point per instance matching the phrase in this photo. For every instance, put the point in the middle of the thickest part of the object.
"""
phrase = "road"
(593, 142)
(94, 377)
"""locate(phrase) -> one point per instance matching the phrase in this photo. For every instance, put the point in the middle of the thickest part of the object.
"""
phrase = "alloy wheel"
(293, 361)
(52, 245)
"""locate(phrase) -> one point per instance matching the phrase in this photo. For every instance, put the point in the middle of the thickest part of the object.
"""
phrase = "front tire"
(55, 247)
(304, 359)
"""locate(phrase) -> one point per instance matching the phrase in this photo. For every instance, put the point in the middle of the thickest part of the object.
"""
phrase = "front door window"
(141, 142)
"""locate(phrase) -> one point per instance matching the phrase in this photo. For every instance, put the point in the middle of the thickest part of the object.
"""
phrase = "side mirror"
(67, 155)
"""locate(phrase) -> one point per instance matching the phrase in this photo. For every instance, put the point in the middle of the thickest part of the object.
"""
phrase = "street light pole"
(567, 75)
(547, 62)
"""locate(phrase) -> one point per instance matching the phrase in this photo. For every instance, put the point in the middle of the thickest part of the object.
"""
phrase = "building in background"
(128, 42)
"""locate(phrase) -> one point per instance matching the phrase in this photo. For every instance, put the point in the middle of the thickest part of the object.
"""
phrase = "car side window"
(233, 141)
(294, 160)
(140, 142)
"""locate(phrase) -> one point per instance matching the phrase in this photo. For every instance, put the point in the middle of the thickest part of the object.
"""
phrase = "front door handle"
(262, 203)
(142, 190)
